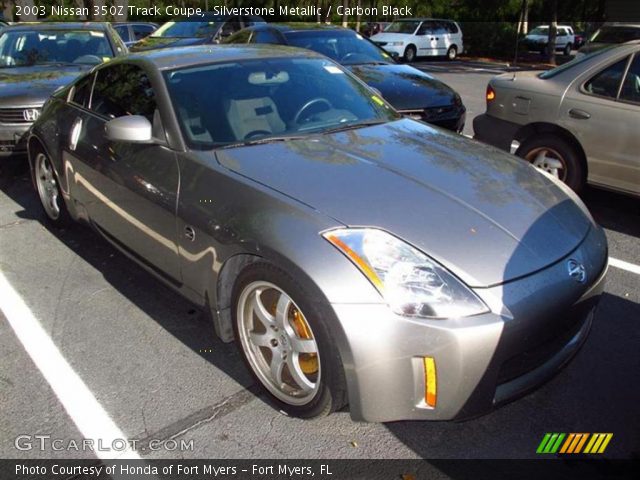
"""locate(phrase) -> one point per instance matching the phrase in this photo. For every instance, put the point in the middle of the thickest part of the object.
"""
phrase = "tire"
(307, 385)
(452, 53)
(47, 187)
(410, 53)
(557, 156)
(567, 49)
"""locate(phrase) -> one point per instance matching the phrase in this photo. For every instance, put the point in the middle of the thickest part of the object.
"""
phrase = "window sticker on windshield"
(377, 99)
(332, 69)
(96, 34)
(106, 59)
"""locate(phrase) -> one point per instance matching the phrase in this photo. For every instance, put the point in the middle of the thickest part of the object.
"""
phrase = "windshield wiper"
(262, 141)
(353, 126)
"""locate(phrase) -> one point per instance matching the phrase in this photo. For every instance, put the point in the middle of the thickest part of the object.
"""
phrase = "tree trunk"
(30, 17)
(358, 17)
(345, 18)
(7, 11)
(553, 30)
(99, 17)
(125, 10)
(525, 16)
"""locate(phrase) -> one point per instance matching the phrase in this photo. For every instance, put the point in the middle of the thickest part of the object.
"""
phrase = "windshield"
(36, 47)
(616, 34)
(576, 61)
(540, 31)
(188, 29)
(269, 99)
(348, 48)
(402, 27)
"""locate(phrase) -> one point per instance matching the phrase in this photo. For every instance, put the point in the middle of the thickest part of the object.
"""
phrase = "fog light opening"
(430, 382)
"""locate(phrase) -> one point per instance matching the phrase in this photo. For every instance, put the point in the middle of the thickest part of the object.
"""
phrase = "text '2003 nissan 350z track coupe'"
(353, 255)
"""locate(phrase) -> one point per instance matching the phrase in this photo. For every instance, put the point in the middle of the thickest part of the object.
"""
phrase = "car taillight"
(491, 93)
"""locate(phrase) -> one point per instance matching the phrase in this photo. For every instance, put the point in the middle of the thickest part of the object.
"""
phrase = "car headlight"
(395, 44)
(410, 282)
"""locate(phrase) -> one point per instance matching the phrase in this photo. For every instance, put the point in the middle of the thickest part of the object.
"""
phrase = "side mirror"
(377, 92)
(130, 128)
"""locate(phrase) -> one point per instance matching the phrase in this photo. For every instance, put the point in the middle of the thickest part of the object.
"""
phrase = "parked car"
(131, 32)
(611, 34)
(371, 28)
(413, 38)
(411, 91)
(538, 39)
(354, 255)
(579, 121)
(35, 60)
(197, 30)
(579, 39)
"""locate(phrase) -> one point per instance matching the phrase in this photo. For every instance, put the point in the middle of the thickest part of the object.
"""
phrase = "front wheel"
(286, 344)
(567, 49)
(48, 189)
(410, 54)
(555, 156)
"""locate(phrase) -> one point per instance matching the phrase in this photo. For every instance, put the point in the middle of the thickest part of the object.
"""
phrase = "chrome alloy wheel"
(47, 186)
(278, 343)
(549, 160)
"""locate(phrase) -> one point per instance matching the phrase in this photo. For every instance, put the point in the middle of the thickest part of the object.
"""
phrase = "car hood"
(391, 37)
(405, 87)
(34, 85)
(482, 213)
(151, 43)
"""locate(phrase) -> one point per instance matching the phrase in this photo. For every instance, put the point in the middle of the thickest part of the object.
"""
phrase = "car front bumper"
(495, 131)
(397, 49)
(535, 326)
(13, 139)
(451, 117)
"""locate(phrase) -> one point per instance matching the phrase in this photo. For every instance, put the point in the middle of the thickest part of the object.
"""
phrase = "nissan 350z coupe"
(353, 255)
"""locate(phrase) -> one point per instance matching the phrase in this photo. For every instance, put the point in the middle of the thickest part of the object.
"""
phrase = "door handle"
(579, 114)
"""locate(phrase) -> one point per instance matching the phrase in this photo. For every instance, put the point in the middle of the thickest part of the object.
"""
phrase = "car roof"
(423, 19)
(170, 58)
(28, 26)
(300, 26)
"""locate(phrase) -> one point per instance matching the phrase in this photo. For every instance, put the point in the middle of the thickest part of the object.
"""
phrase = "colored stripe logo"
(593, 443)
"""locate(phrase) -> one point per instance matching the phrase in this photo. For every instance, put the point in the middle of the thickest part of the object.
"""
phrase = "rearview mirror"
(130, 128)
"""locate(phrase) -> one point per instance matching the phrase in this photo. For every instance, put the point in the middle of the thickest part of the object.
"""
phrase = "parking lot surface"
(153, 370)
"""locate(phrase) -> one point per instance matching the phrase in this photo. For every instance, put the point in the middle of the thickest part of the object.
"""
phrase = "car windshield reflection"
(27, 48)
(254, 101)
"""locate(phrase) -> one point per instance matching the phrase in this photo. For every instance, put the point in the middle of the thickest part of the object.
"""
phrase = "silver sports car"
(353, 255)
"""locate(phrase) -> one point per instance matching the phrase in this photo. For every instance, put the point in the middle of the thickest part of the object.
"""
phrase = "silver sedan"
(354, 256)
(580, 121)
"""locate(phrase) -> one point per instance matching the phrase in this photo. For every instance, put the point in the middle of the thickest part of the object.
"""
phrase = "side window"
(607, 82)
(266, 36)
(241, 37)
(123, 90)
(82, 91)
(123, 31)
(451, 27)
(426, 28)
(562, 32)
(141, 31)
(631, 87)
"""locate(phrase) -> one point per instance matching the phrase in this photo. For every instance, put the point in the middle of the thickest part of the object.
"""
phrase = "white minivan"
(412, 38)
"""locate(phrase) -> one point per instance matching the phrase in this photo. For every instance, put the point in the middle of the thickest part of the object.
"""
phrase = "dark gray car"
(35, 60)
(353, 255)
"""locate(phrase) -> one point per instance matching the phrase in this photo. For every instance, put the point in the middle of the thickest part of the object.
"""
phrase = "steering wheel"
(311, 102)
(254, 133)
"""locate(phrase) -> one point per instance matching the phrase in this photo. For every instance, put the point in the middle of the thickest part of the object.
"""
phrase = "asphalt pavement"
(148, 366)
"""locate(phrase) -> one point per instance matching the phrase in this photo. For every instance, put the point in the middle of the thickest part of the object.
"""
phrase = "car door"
(602, 109)
(426, 39)
(129, 190)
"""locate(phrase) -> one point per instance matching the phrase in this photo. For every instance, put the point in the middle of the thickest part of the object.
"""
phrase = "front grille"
(17, 115)
(536, 356)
